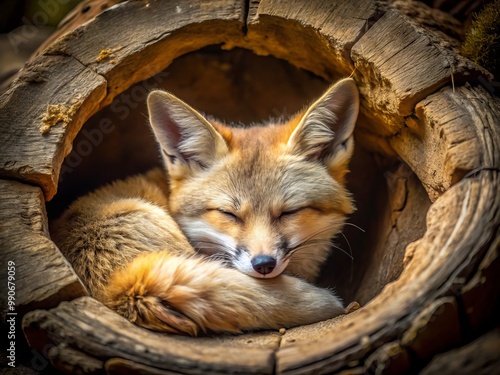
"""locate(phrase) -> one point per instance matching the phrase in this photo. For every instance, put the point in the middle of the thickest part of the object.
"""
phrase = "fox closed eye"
(228, 214)
(284, 214)
(288, 213)
(178, 250)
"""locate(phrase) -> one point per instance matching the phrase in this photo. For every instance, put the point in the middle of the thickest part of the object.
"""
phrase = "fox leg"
(165, 292)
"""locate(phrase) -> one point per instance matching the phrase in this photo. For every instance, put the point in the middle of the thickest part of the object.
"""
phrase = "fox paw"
(156, 315)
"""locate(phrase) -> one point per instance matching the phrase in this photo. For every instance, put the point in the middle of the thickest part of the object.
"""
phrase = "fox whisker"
(355, 226)
(306, 244)
(352, 256)
(180, 249)
(348, 244)
(342, 250)
(303, 240)
(317, 242)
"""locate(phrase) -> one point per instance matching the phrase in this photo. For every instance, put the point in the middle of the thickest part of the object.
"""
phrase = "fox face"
(266, 199)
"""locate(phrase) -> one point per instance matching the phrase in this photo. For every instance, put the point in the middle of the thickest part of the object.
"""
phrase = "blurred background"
(24, 25)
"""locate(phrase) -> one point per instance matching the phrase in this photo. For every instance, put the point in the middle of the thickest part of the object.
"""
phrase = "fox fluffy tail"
(186, 295)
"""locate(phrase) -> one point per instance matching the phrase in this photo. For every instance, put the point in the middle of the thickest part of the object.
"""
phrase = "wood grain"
(290, 30)
(88, 327)
(480, 296)
(401, 222)
(449, 136)
(27, 154)
(43, 277)
(120, 366)
(70, 72)
(410, 111)
(479, 358)
(440, 319)
(72, 361)
(400, 63)
(83, 12)
(438, 263)
(152, 39)
(390, 358)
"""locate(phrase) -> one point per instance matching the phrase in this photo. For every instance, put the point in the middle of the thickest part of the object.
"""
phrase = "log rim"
(327, 354)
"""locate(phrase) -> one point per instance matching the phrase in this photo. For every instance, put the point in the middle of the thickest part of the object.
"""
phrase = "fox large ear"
(325, 131)
(188, 141)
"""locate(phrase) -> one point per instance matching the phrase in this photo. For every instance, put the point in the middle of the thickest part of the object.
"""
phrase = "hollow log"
(40, 276)
(428, 265)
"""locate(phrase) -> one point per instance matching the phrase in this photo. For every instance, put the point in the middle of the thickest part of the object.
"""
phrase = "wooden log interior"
(479, 357)
(24, 242)
(424, 175)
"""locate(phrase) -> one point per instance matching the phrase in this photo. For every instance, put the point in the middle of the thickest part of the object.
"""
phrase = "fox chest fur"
(254, 207)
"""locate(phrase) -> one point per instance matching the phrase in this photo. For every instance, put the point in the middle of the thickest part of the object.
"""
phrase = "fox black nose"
(263, 264)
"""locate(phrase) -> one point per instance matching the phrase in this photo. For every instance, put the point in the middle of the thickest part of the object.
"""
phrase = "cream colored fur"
(172, 250)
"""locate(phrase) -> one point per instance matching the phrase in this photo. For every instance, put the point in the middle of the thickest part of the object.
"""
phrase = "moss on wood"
(482, 43)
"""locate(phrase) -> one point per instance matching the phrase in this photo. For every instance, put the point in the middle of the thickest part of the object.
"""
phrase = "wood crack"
(246, 14)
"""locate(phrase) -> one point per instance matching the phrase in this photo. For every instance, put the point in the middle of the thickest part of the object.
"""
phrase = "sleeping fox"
(231, 234)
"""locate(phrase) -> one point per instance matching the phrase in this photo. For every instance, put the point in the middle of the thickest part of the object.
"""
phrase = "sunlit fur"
(181, 294)
(171, 250)
(258, 180)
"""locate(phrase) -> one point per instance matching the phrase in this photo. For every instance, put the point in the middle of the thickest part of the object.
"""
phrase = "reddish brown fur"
(127, 241)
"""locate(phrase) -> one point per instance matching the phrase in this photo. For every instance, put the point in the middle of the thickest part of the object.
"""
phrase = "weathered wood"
(293, 337)
(315, 35)
(119, 366)
(458, 224)
(442, 135)
(290, 30)
(477, 358)
(58, 81)
(119, 53)
(83, 12)
(401, 222)
(480, 297)
(389, 359)
(448, 136)
(400, 63)
(72, 361)
(448, 27)
(87, 326)
(85, 69)
(42, 277)
(434, 330)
